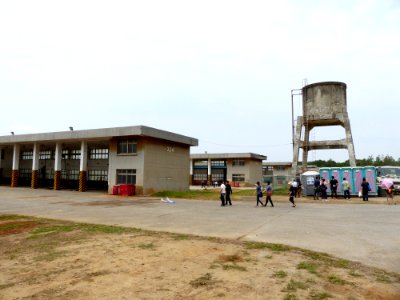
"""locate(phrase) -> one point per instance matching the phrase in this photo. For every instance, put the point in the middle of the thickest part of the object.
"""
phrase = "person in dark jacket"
(364, 189)
(259, 193)
(292, 193)
(323, 188)
(228, 190)
(317, 189)
(334, 185)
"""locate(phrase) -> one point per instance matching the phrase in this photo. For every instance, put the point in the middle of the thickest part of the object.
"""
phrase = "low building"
(278, 173)
(240, 168)
(151, 159)
(281, 173)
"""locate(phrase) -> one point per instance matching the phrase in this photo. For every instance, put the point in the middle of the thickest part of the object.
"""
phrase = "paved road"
(368, 233)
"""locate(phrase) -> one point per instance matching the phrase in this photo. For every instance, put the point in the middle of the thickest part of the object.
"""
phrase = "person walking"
(259, 193)
(228, 190)
(292, 193)
(223, 193)
(334, 184)
(317, 188)
(295, 185)
(269, 194)
(346, 189)
(364, 189)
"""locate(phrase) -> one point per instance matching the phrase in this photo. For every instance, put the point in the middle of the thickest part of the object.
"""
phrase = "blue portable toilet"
(336, 172)
(325, 173)
(348, 174)
(358, 174)
(370, 175)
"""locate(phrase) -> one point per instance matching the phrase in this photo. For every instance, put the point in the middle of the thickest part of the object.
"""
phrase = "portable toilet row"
(353, 175)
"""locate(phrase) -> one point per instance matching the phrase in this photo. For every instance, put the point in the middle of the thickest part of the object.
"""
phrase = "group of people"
(321, 187)
(259, 194)
(320, 190)
(225, 194)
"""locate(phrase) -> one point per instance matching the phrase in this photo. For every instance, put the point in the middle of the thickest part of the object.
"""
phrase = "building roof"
(102, 133)
(227, 155)
(277, 163)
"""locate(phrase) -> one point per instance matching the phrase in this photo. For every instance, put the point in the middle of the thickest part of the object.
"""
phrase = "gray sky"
(219, 71)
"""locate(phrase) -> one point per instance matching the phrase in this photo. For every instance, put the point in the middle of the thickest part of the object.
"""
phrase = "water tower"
(324, 104)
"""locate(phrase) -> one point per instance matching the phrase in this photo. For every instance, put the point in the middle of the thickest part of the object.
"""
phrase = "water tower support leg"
(296, 145)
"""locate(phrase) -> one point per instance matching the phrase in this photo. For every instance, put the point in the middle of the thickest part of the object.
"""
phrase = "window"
(126, 176)
(64, 154)
(70, 174)
(238, 162)
(238, 177)
(25, 173)
(217, 175)
(127, 147)
(98, 154)
(200, 174)
(75, 154)
(98, 175)
(45, 154)
(218, 163)
(26, 155)
(200, 163)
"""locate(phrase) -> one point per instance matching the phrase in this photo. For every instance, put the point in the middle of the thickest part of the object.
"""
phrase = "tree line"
(379, 160)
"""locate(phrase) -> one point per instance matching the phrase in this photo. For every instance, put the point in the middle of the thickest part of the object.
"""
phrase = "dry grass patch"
(64, 260)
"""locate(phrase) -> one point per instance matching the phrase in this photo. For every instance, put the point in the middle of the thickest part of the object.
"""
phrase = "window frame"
(127, 147)
(125, 173)
(98, 153)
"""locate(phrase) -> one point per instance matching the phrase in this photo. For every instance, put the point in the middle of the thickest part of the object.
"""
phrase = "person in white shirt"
(223, 192)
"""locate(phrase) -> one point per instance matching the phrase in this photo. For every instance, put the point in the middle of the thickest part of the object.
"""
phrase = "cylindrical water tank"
(324, 102)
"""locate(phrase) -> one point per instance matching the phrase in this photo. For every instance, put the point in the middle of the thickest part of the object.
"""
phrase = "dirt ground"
(50, 259)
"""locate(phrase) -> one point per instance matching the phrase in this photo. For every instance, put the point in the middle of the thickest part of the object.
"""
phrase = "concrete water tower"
(324, 104)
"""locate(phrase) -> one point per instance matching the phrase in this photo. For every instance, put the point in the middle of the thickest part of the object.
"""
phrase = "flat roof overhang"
(96, 134)
(228, 156)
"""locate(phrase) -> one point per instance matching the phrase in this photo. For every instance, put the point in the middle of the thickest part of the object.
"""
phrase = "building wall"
(255, 168)
(160, 165)
(166, 166)
(126, 161)
(6, 164)
(252, 170)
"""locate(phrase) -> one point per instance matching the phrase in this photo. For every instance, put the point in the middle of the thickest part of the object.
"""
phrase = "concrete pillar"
(350, 145)
(1, 165)
(296, 146)
(83, 167)
(57, 166)
(305, 148)
(35, 167)
(191, 172)
(209, 172)
(15, 166)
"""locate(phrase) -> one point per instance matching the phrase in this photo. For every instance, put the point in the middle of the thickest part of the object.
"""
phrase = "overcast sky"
(218, 71)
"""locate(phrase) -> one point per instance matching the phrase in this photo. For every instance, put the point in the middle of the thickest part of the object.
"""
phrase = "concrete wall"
(160, 165)
(166, 166)
(230, 170)
(126, 161)
(324, 100)
(255, 170)
(252, 170)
